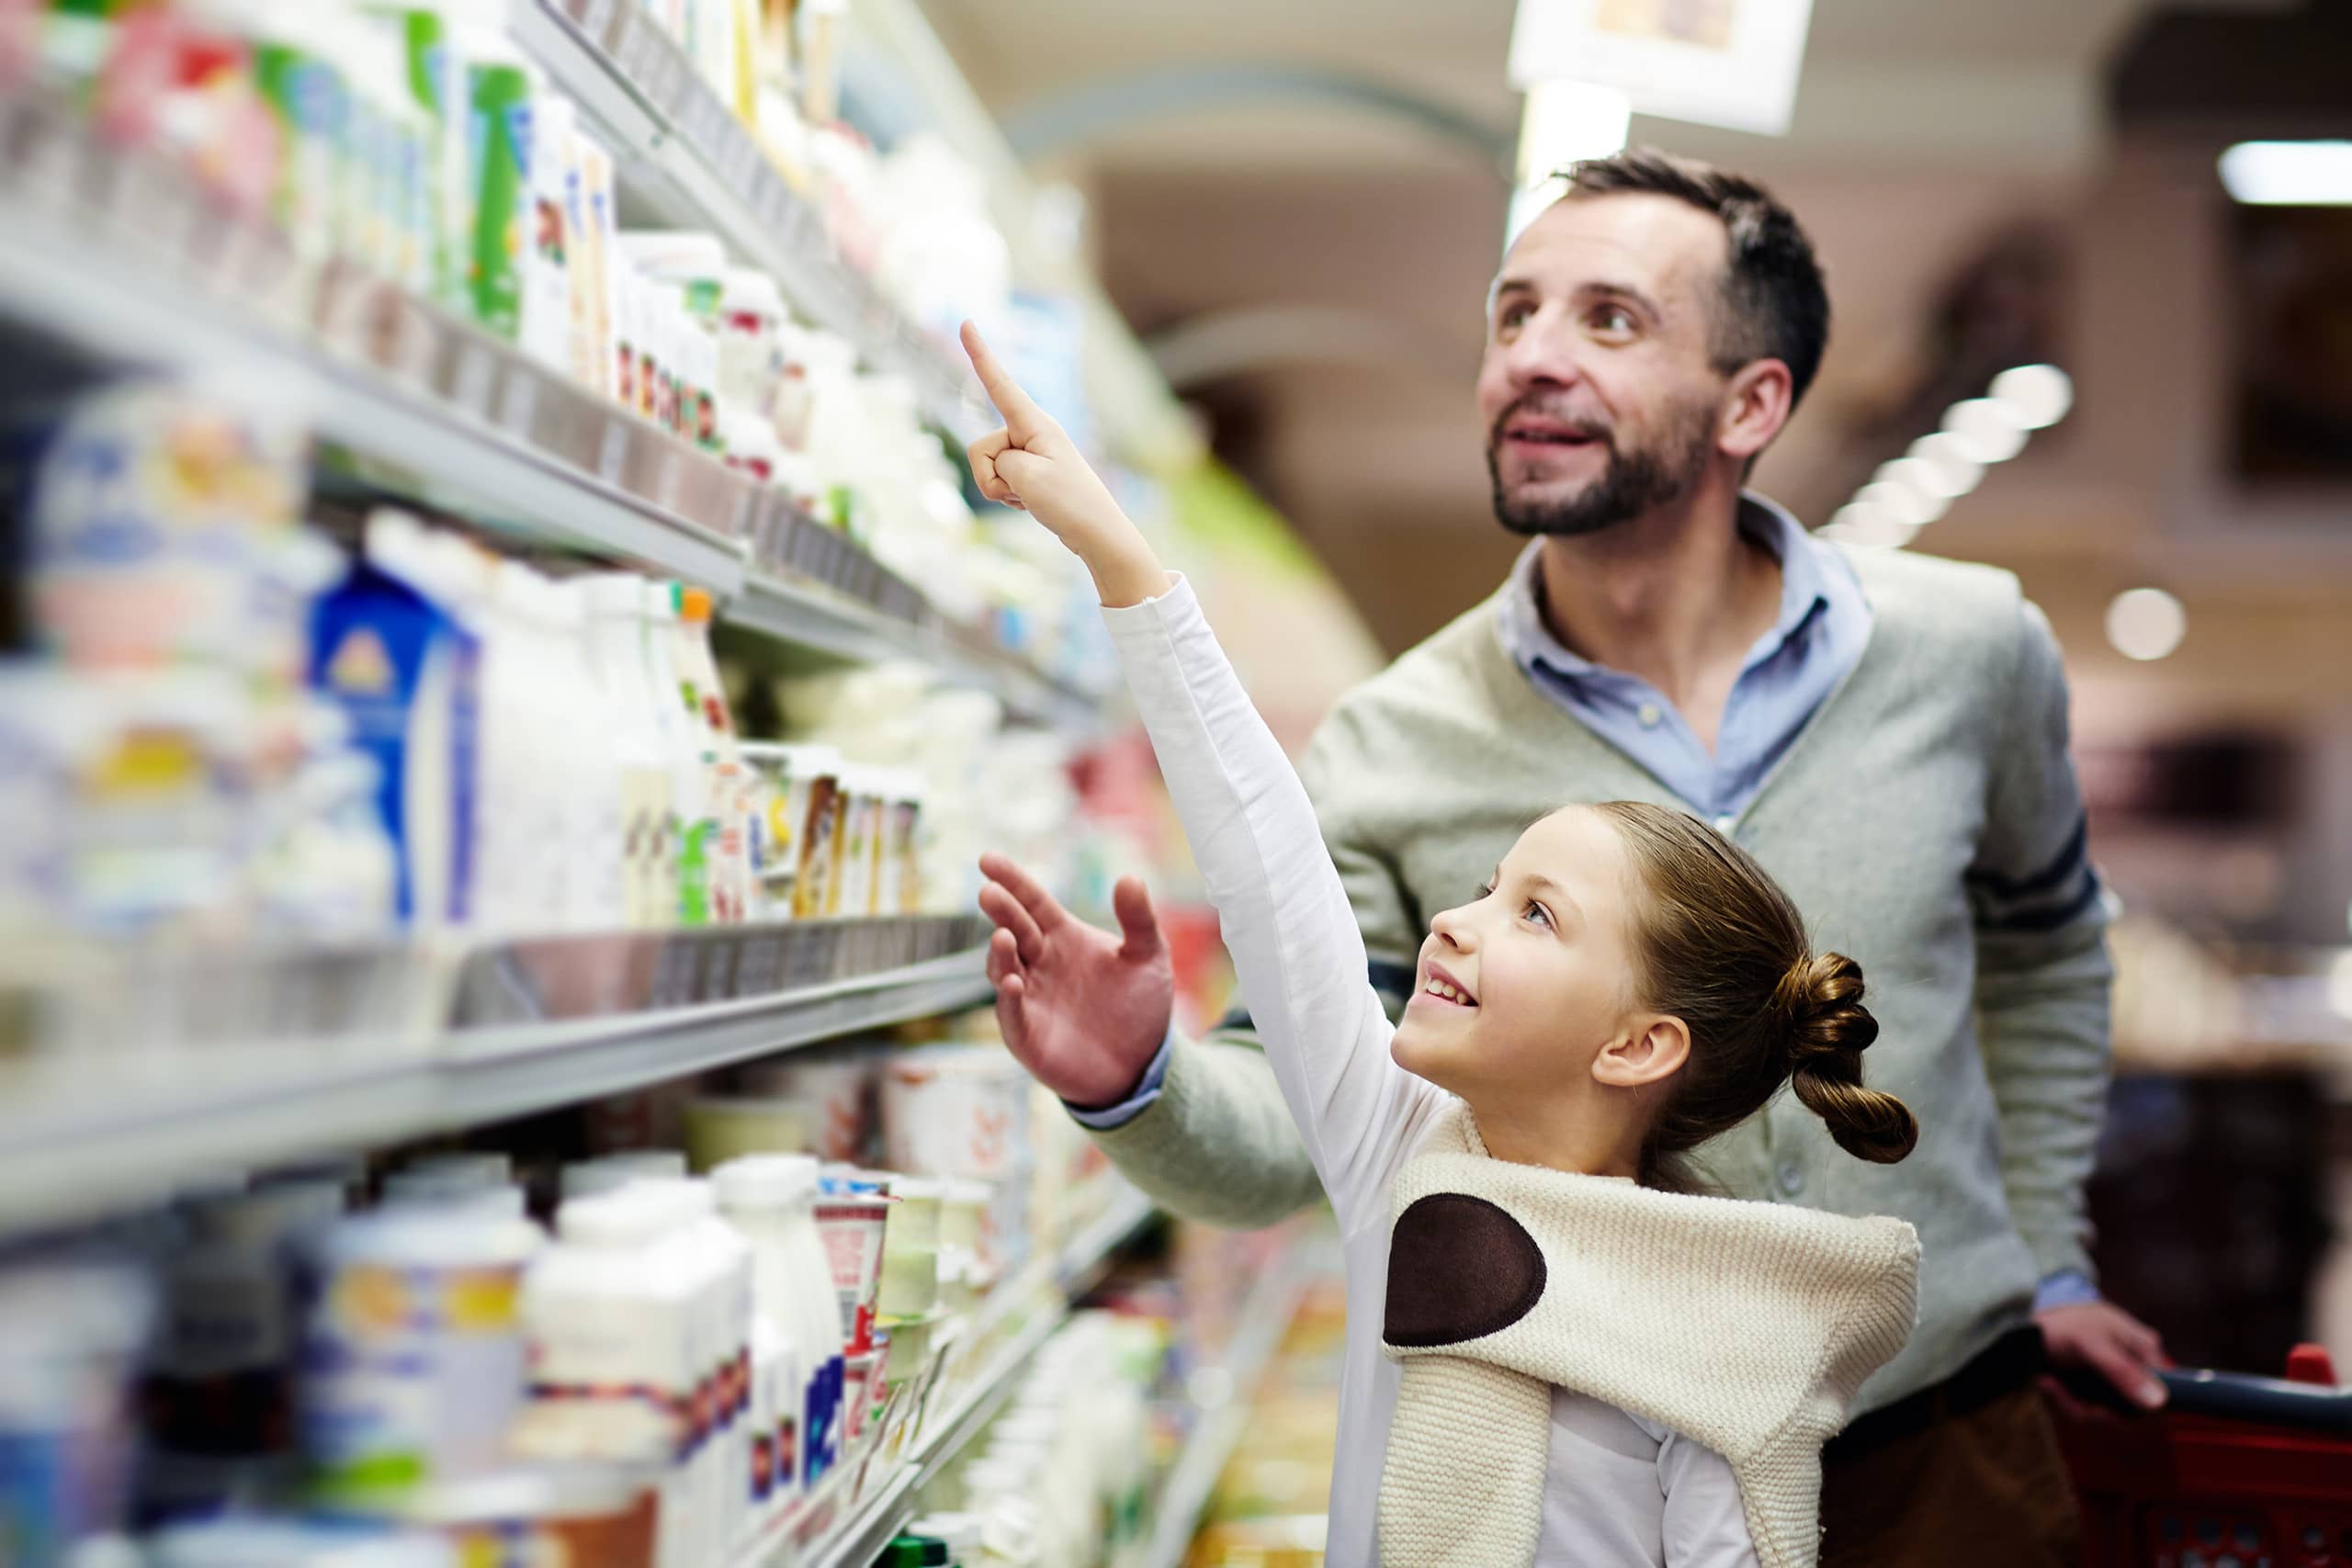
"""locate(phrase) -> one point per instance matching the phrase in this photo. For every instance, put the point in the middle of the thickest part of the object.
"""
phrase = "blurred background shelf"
(1221, 1395)
(1049, 1291)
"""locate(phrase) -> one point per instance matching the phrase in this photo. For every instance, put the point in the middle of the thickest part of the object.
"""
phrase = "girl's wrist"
(1124, 566)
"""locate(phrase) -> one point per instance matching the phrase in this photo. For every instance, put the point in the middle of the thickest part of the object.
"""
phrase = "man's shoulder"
(1454, 677)
(1954, 610)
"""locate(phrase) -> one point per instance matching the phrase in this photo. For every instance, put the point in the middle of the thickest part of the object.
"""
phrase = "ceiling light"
(1567, 120)
(2289, 174)
(1984, 430)
(1929, 479)
(1902, 504)
(2146, 623)
(1948, 455)
(1866, 524)
(2038, 395)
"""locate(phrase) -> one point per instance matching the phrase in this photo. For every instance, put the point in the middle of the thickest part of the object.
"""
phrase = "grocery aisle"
(502, 686)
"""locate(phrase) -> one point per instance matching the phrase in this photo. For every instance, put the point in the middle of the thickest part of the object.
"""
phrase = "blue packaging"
(408, 674)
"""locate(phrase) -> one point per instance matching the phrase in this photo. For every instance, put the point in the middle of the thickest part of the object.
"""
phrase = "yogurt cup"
(853, 1216)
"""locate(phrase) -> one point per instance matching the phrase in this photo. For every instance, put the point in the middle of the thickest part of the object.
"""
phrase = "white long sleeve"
(1284, 914)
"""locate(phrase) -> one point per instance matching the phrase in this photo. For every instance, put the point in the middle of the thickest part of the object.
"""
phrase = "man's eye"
(1612, 318)
(1512, 316)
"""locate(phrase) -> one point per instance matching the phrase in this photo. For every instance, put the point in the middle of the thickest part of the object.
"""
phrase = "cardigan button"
(1791, 1179)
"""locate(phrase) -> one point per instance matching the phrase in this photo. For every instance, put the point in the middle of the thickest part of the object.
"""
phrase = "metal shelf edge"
(91, 1161)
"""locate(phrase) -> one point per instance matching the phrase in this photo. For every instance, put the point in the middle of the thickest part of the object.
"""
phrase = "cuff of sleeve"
(1104, 1118)
(2068, 1287)
(1128, 622)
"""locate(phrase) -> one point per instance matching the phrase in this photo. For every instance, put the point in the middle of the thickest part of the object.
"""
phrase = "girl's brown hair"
(1721, 948)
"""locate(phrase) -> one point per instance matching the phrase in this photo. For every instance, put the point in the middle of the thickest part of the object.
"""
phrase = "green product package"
(306, 97)
(501, 181)
(425, 39)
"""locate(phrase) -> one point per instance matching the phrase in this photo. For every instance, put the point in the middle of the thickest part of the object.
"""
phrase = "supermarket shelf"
(1184, 1496)
(682, 159)
(74, 1144)
(114, 254)
(836, 627)
(117, 254)
(886, 1511)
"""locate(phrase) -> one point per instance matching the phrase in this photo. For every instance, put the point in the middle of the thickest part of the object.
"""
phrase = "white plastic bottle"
(731, 794)
(689, 775)
(593, 792)
(755, 1194)
(772, 1198)
(604, 1330)
(713, 1255)
(616, 654)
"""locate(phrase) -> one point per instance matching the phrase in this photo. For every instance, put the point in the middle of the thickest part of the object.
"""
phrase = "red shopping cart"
(2237, 1471)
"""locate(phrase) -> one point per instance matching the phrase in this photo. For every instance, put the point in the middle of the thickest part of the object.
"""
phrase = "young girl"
(1558, 1354)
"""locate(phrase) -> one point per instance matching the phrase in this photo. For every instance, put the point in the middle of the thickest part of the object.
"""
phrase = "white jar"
(413, 1350)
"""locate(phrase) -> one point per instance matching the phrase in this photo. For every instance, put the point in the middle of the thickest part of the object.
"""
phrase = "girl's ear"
(1652, 1050)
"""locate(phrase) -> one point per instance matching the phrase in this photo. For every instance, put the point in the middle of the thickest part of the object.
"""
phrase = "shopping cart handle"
(2231, 1396)
(2274, 1401)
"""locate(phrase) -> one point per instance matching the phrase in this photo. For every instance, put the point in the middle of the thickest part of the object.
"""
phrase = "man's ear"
(1652, 1050)
(1761, 396)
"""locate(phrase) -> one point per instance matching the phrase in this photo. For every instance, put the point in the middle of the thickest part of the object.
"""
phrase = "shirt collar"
(1804, 592)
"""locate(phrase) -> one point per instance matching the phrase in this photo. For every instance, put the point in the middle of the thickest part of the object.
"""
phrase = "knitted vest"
(1744, 1326)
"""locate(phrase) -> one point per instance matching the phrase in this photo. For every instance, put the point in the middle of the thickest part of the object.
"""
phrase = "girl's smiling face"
(1520, 990)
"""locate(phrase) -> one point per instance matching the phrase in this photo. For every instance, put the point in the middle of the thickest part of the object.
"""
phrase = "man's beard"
(1632, 483)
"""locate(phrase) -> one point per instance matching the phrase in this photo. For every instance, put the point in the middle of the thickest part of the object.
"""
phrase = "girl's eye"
(1486, 890)
(1538, 913)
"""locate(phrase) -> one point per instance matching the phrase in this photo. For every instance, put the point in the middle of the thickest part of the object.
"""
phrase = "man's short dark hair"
(1775, 305)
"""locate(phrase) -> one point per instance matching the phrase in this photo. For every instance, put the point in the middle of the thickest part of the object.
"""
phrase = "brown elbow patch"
(1459, 1268)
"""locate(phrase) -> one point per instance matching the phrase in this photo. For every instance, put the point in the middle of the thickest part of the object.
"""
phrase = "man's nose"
(1543, 354)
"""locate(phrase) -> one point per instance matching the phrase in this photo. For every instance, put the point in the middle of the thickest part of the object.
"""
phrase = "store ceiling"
(1331, 255)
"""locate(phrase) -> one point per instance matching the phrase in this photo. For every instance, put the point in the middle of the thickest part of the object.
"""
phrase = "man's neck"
(1672, 596)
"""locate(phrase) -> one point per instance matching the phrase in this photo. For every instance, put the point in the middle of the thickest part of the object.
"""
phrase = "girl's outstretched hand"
(1032, 465)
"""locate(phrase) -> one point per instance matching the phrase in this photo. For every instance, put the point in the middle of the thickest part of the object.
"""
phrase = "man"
(1885, 733)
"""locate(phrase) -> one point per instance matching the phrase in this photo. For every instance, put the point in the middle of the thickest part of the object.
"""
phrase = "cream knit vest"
(1744, 1326)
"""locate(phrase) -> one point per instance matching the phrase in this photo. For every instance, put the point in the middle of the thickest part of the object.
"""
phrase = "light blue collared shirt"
(1814, 644)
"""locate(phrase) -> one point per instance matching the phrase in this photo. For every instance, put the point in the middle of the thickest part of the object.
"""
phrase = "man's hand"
(1085, 1011)
(2103, 1338)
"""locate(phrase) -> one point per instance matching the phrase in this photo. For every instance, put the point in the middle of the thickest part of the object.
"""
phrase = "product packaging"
(853, 1215)
(722, 1128)
(500, 91)
(413, 1353)
(408, 674)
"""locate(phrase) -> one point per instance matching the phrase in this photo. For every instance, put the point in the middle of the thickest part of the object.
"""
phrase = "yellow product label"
(371, 1301)
(483, 1300)
(148, 763)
